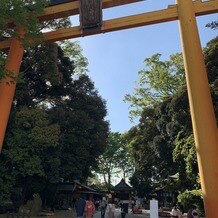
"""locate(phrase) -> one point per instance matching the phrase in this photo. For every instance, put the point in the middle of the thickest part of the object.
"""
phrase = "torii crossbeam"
(154, 17)
(202, 112)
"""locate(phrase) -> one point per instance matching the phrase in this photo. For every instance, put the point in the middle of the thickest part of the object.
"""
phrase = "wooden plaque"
(90, 14)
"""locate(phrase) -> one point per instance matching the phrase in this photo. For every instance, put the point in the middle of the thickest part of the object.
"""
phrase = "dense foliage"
(163, 143)
(17, 13)
(116, 159)
(193, 197)
(56, 129)
(19, 19)
(159, 80)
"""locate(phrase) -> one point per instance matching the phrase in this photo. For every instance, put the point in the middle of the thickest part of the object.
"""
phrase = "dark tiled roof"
(75, 187)
(84, 187)
(122, 186)
(70, 187)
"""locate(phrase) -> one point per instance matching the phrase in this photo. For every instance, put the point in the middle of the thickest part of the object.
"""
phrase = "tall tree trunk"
(109, 180)
(28, 181)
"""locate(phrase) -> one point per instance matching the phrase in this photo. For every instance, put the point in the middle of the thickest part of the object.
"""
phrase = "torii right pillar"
(202, 111)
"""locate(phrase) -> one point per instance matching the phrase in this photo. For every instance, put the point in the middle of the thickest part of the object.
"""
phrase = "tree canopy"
(116, 159)
(163, 143)
(159, 80)
(57, 128)
(16, 14)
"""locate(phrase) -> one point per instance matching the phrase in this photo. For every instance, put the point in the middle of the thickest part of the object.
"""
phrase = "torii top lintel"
(73, 7)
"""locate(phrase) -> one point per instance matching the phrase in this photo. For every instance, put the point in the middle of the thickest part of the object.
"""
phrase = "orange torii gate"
(202, 112)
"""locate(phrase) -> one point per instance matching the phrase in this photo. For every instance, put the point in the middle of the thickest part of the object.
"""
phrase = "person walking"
(193, 213)
(80, 207)
(110, 210)
(103, 206)
(124, 208)
(175, 213)
(89, 208)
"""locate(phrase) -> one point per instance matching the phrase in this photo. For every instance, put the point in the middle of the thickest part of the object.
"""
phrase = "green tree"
(165, 129)
(124, 158)
(53, 83)
(159, 80)
(116, 158)
(185, 152)
(23, 13)
(25, 152)
(152, 148)
(84, 131)
(18, 13)
(143, 155)
(74, 51)
(70, 101)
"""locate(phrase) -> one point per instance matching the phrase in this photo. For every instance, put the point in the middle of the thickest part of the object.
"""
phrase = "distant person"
(89, 208)
(193, 213)
(189, 214)
(175, 213)
(97, 202)
(181, 207)
(136, 209)
(80, 207)
(103, 205)
(110, 210)
(124, 209)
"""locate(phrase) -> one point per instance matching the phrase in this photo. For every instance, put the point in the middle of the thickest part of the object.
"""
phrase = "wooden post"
(202, 112)
(7, 89)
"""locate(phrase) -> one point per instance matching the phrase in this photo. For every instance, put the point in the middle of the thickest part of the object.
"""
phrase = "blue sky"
(115, 58)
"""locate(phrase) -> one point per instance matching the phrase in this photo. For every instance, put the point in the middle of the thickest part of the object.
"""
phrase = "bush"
(192, 197)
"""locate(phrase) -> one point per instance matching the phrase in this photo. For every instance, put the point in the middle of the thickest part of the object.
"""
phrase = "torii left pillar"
(7, 89)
